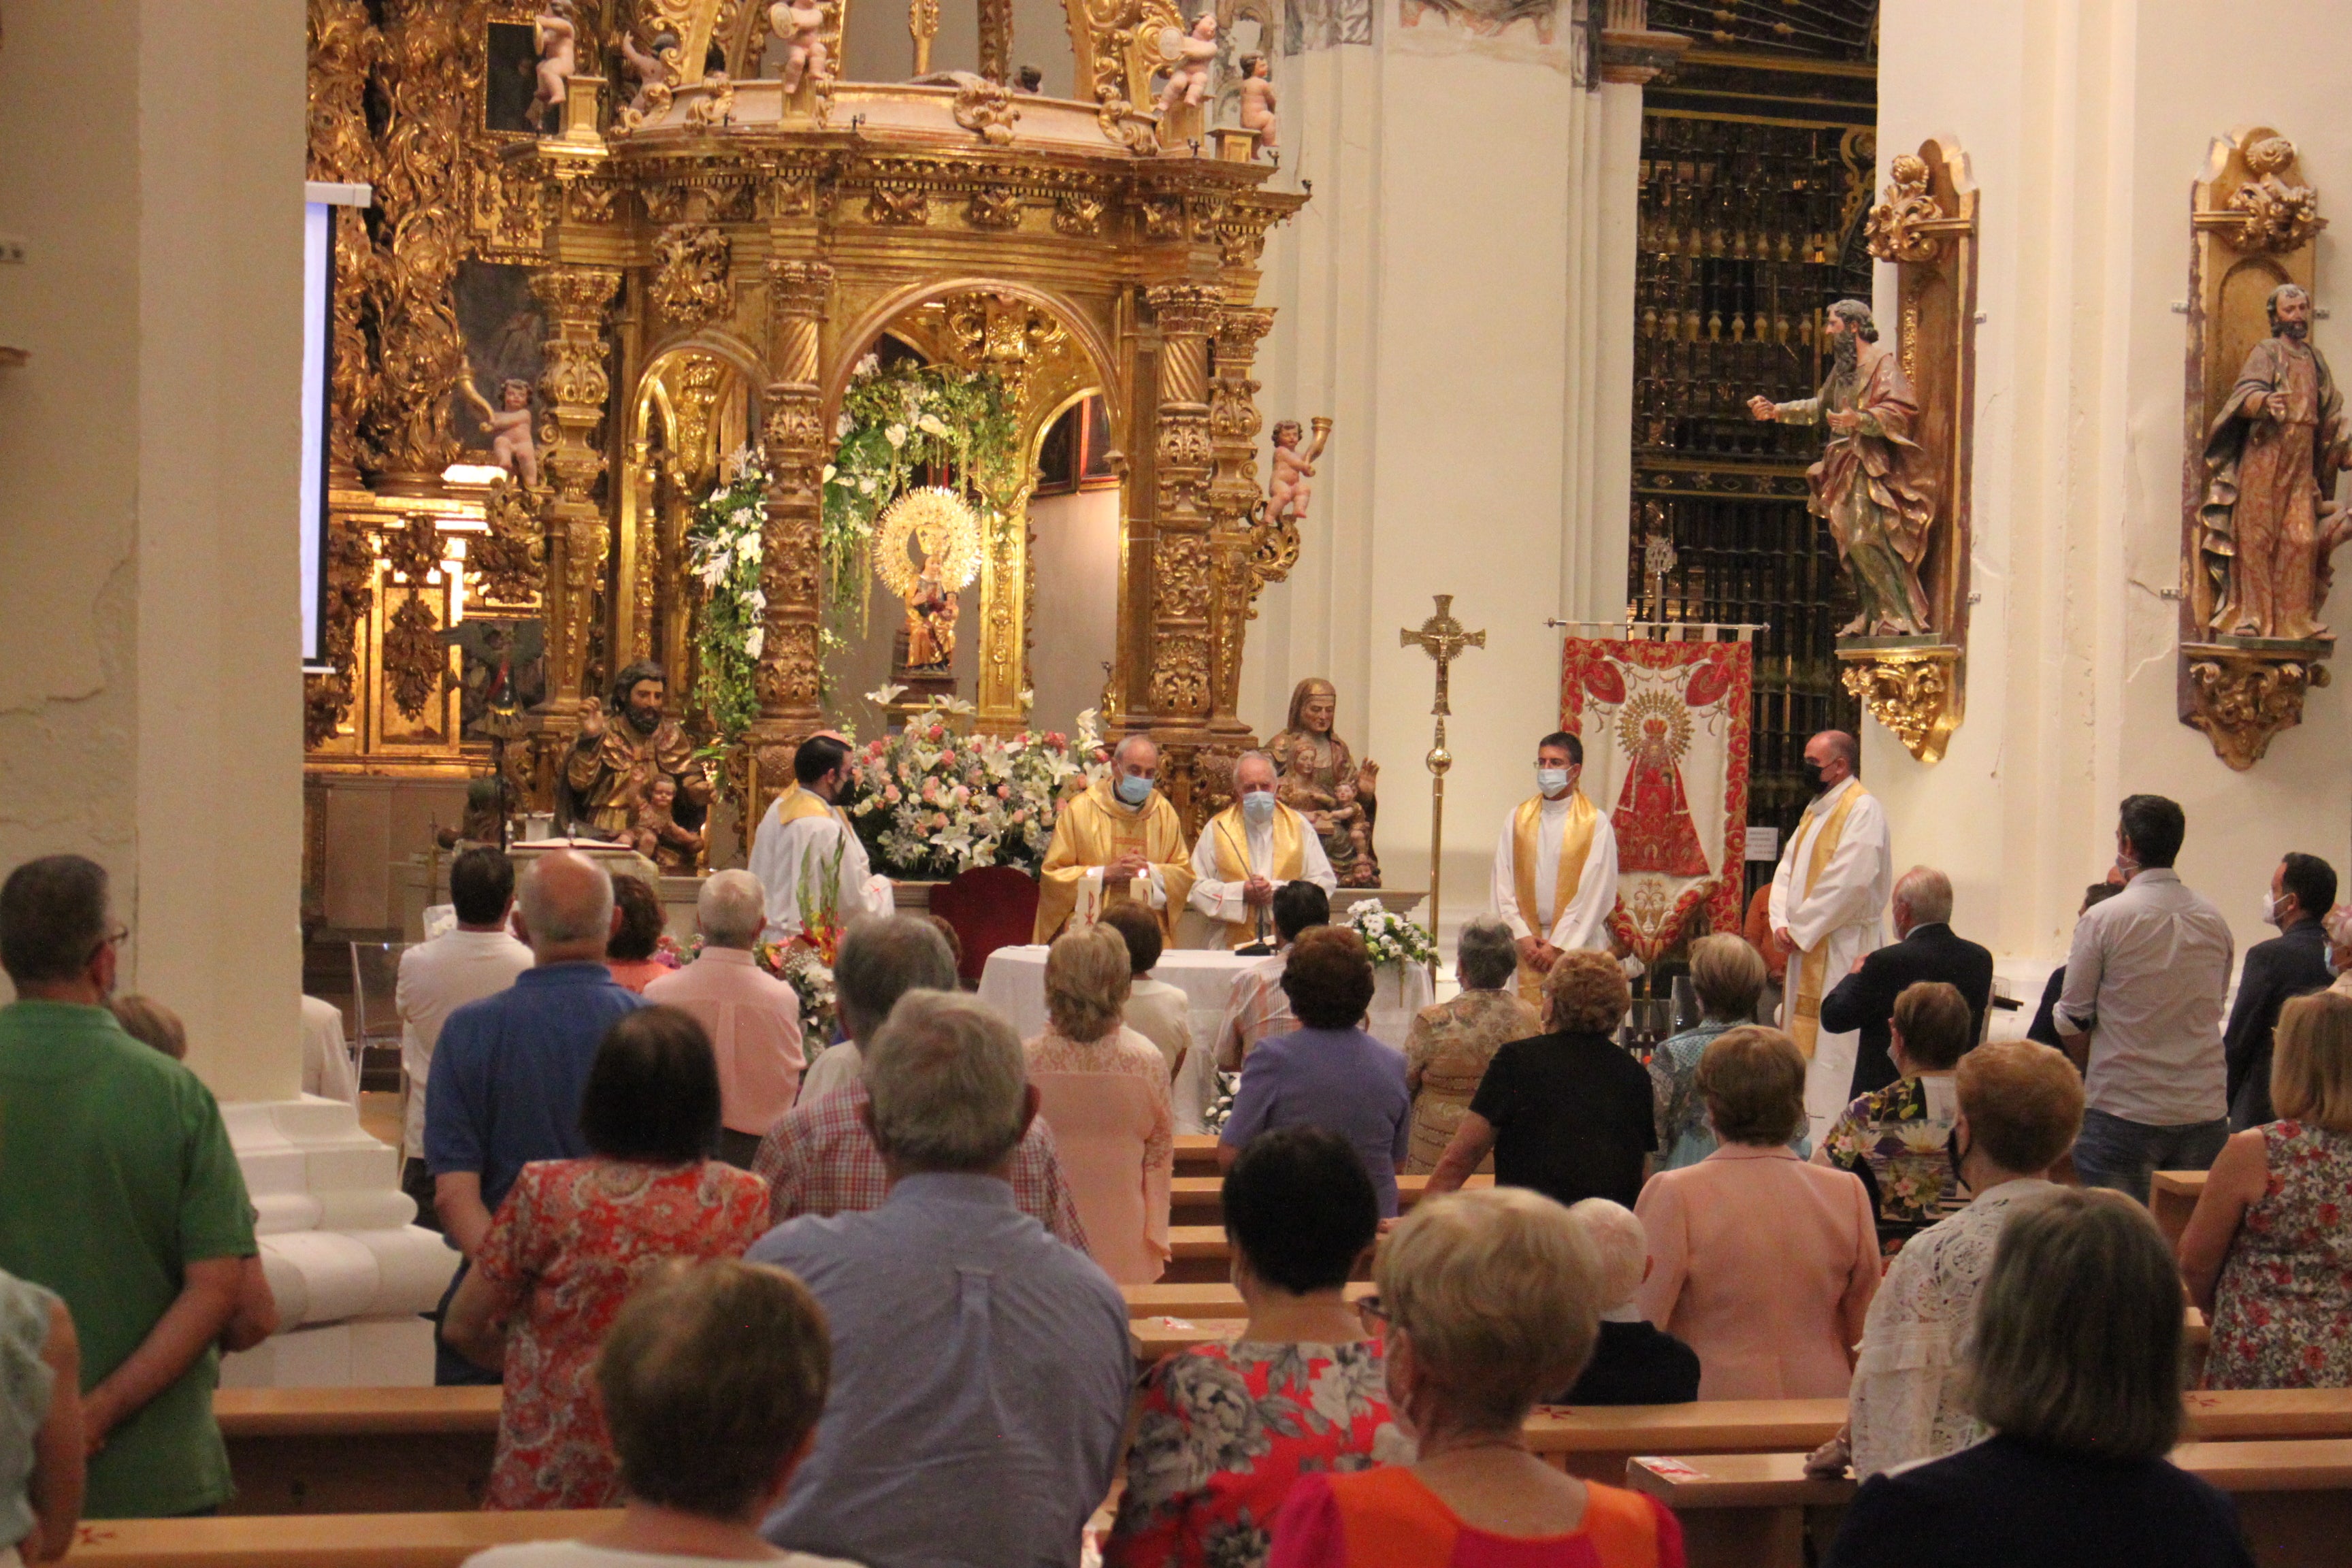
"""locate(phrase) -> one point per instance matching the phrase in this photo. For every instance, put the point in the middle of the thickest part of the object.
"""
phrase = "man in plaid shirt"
(821, 1158)
(1258, 1008)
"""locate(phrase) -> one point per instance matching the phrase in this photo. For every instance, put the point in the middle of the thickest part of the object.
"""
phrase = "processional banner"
(1666, 729)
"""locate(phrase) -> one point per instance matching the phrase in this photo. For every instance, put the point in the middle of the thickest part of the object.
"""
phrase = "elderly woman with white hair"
(753, 1020)
(1729, 975)
(1450, 1044)
(1103, 1088)
(1634, 1362)
(1492, 1300)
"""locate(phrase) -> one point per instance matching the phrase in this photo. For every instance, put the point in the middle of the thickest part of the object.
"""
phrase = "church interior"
(601, 398)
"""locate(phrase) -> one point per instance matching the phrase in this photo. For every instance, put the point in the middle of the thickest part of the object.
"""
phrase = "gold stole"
(1805, 1011)
(796, 802)
(1093, 830)
(1232, 837)
(1575, 844)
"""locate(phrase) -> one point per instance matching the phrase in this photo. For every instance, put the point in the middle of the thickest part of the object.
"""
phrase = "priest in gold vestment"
(1121, 833)
(1249, 850)
(1555, 866)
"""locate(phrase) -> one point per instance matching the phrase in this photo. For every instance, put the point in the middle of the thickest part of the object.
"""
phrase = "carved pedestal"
(2241, 691)
(1911, 685)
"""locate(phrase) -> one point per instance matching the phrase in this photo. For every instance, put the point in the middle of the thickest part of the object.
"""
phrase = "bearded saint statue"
(614, 761)
(2268, 524)
(1873, 484)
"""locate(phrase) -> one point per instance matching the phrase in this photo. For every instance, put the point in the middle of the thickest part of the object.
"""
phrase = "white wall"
(1457, 296)
(1075, 544)
(149, 694)
(2086, 124)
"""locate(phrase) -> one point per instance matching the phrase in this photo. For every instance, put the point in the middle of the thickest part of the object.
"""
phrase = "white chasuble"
(1829, 891)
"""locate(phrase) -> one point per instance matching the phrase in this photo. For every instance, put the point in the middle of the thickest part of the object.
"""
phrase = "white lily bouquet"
(1392, 941)
(930, 802)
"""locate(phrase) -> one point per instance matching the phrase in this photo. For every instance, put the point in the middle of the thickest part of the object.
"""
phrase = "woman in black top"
(1567, 1113)
(2075, 1365)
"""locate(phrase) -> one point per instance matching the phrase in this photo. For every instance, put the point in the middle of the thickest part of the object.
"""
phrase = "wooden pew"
(1757, 1510)
(1199, 1200)
(323, 1541)
(1196, 1154)
(1198, 1254)
(2171, 1199)
(1595, 1442)
(358, 1450)
(1208, 1299)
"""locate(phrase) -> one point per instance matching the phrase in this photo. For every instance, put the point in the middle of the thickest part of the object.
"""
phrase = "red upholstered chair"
(990, 907)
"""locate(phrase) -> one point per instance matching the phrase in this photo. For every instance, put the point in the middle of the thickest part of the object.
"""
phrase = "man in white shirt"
(1555, 866)
(1835, 874)
(1251, 848)
(804, 841)
(327, 1068)
(2141, 1013)
(477, 959)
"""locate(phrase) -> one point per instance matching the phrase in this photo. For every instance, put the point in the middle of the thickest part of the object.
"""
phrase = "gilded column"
(1233, 496)
(576, 301)
(1181, 694)
(793, 435)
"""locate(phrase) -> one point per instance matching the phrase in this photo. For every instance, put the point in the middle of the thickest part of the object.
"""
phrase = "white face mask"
(1551, 781)
(2270, 909)
(1257, 807)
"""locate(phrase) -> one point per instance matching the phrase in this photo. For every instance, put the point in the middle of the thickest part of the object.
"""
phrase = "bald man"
(1925, 948)
(1121, 840)
(509, 1069)
(1827, 899)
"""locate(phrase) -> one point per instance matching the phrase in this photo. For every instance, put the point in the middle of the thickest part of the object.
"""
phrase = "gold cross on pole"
(1442, 637)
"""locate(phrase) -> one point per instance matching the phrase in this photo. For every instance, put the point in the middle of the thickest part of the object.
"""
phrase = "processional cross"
(1442, 637)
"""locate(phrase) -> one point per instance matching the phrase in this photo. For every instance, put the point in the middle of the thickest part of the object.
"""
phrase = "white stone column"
(2086, 124)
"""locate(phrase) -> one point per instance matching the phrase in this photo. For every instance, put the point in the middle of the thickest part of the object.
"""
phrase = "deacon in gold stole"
(1556, 866)
(1833, 879)
(1119, 831)
(799, 835)
(1249, 849)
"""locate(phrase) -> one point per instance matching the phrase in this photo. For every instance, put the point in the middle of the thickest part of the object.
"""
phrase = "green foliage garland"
(723, 549)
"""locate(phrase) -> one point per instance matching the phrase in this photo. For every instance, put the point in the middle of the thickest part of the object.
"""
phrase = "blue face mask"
(1132, 790)
(1257, 807)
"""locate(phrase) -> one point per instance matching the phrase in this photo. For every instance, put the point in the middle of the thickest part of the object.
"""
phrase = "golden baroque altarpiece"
(708, 265)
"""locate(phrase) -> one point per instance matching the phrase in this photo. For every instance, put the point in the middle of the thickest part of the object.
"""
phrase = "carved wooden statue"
(1321, 781)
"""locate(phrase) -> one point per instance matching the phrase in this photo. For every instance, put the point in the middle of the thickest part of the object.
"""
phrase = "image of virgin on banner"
(1665, 732)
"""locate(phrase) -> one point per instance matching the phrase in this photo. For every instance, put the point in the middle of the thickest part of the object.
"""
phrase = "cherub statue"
(717, 106)
(1188, 74)
(511, 445)
(801, 24)
(1287, 492)
(657, 73)
(557, 36)
(1258, 103)
(659, 838)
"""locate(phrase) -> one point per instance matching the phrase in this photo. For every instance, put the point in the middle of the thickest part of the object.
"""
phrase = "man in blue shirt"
(509, 1071)
(981, 1368)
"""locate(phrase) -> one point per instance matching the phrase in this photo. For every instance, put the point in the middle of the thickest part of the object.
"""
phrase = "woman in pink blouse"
(1103, 1088)
(1761, 1263)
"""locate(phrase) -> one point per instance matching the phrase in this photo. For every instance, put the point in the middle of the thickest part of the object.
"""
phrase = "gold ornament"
(941, 526)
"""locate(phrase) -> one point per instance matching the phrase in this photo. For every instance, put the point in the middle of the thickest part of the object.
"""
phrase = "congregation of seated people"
(774, 1298)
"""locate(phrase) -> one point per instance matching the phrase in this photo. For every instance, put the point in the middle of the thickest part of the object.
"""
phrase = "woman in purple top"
(1330, 1074)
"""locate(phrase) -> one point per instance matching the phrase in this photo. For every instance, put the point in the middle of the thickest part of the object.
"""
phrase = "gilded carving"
(994, 207)
(1914, 692)
(1163, 218)
(590, 201)
(505, 564)
(1179, 675)
(1079, 214)
(351, 592)
(899, 206)
(690, 273)
(2242, 700)
(1899, 225)
(996, 41)
(344, 49)
(2274, 216)
(986, 110)
(1180, 565)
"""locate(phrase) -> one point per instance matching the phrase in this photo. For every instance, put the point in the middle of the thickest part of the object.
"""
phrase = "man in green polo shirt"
(119, 1192)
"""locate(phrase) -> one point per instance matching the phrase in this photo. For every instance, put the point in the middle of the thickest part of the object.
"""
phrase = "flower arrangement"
(723, 549)
(1392, 941)
(930, 802)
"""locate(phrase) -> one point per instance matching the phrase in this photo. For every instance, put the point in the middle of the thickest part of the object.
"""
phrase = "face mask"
(2270, 910)
(2327, 957)
(1132, 790)
(1257, 807)
(1813, 770)
(1551, 781)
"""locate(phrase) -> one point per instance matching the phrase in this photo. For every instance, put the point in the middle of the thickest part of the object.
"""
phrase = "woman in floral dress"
(1893, 1138)
(574, 1236)
(1450, 1045)
(1225, 1430)
(1729, 975)
(2268, 1253)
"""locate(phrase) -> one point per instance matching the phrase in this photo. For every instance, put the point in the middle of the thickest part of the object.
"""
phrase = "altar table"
(1015, 983)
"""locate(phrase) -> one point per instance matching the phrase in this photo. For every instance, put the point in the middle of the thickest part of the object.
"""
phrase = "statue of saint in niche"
(1323, 783)
(1874, 484)
(2270, 522)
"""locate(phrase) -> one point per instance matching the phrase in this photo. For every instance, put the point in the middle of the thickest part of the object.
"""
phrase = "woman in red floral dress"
(573, 1237)
(1225, 1430)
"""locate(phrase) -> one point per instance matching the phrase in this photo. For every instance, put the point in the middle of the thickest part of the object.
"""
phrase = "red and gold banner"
(1665, 733)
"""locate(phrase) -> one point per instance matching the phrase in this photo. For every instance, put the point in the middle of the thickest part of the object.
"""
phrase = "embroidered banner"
(1665, 732)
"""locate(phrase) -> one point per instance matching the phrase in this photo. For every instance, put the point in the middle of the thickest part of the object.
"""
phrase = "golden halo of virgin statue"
(942, 526)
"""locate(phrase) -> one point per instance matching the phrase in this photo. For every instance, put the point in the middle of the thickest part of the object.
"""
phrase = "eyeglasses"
(115, 937)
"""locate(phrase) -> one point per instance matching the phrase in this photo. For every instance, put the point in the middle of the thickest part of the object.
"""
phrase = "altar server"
(793, 852)
(1555, 866)
(1833, 882)
(1120, 839)
(1252, 849)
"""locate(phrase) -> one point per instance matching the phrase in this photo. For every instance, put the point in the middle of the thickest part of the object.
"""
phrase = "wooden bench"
(1758, 1510)
(1196, 1154)
(323, 1541)
(358, 1450)
(1206, 1298)
(1199, 1254)
(2171, 1199)
(1199, 1200)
